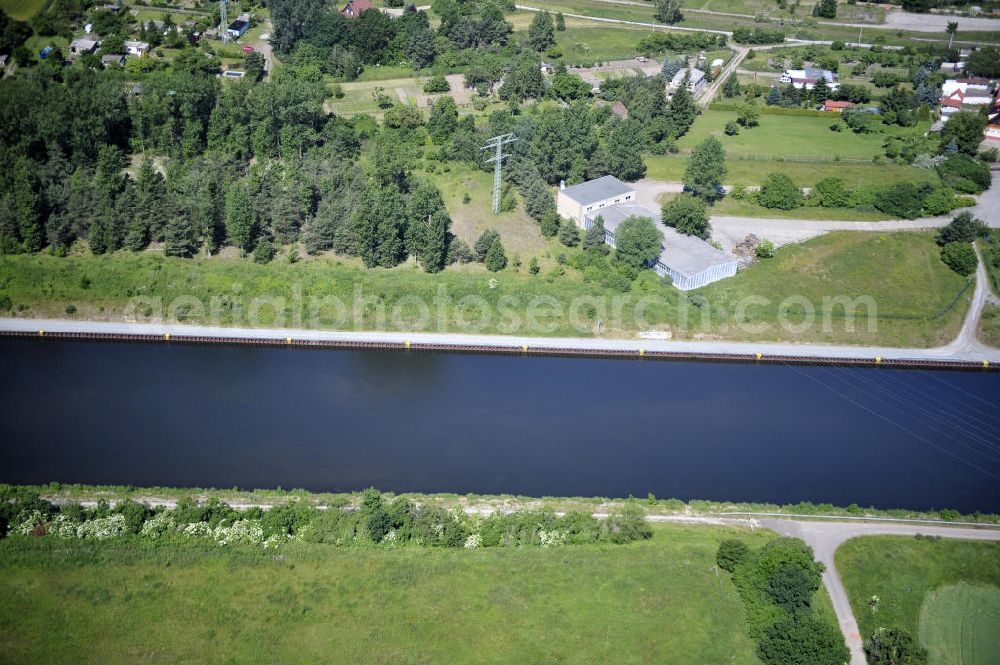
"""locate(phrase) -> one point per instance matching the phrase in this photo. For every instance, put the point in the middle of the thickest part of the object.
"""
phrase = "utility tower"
(223, 21)
(497, 143)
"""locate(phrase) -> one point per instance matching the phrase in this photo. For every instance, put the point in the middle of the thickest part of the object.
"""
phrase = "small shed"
(620, 110)
(113, 61)
(82, 45)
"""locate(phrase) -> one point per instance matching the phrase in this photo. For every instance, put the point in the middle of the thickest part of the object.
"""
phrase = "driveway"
(826, 537)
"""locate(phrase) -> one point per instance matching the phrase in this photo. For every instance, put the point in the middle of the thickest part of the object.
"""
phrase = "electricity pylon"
(223, 21)
(497, 143)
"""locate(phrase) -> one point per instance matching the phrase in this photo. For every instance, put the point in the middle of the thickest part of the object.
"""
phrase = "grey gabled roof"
(681, 253)
(601, 189)
(689, 255)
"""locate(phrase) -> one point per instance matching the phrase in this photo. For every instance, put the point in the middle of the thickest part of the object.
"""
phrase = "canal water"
(216, 416)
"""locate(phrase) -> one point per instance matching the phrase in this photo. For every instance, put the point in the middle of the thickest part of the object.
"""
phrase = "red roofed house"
(831, 105)
(354, 8)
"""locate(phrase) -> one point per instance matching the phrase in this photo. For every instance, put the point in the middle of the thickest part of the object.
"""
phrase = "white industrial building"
(696, 82)
(689, 261)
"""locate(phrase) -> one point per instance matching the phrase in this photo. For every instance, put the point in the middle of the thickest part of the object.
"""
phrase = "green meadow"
(657, 601)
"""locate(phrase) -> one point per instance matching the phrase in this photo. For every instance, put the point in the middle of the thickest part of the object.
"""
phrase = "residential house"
(992, 131)
(690, 262)
(835, 106)
(137, 49)
(113, 61)
(807, 78)
(964, 94)
(696, 84)
(82, 45)
(239, 27)
(353, 8)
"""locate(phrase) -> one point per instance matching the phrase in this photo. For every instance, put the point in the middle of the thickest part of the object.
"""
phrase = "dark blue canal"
(214, 416)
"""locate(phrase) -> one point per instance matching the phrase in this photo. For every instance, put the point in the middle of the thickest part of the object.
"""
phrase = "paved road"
(826, 537)
(264, 46)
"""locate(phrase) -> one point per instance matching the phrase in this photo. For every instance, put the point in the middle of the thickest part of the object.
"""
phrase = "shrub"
(732, 129)
(749, 115)
(764, 249)
(894, 646)
(960, 257)
(939, 201)
(496, 259)
(688, 215)
(803, 641)
(459, 252)
(628, 524)
(437, 84)
(964, 174)
(778, 191)
(790, 588)
(831, 193)
(902, 199)
(569, 235)
(263, 252)
(731, 553)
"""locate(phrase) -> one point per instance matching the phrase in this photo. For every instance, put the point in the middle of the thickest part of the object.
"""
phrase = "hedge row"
(777, 110)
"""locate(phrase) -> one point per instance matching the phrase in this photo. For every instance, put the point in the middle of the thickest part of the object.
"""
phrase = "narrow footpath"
(826, 537)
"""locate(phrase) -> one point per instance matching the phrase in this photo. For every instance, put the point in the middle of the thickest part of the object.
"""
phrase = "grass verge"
(917, 300)
(121, 602)
(902, 572)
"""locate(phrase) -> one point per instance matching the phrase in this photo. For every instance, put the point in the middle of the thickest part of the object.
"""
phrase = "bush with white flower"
(62, 527)
(102, 528)
(552, 538)
(242, 531)
(197, 530)
(473, 542)
(158, 525)
(28, 524)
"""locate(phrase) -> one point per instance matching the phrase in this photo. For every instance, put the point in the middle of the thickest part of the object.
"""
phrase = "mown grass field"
(905, 572)
(792, 136)
(658, 601)
(915, 295)
(804, 174)
(22, 10)
(960, 625)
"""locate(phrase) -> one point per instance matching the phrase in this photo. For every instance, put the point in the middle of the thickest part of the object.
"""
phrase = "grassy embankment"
(657, 601)
(59, 492)
(944, 592)
(917, 297)
(989, 326)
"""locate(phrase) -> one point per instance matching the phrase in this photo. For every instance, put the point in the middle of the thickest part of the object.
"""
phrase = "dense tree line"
(776, 584)
(314, 31)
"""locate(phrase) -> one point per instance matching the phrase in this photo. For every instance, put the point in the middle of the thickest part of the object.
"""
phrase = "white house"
(689, 261)
(959, 94)
(136, 48)
(807, 78)
(696, 83)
